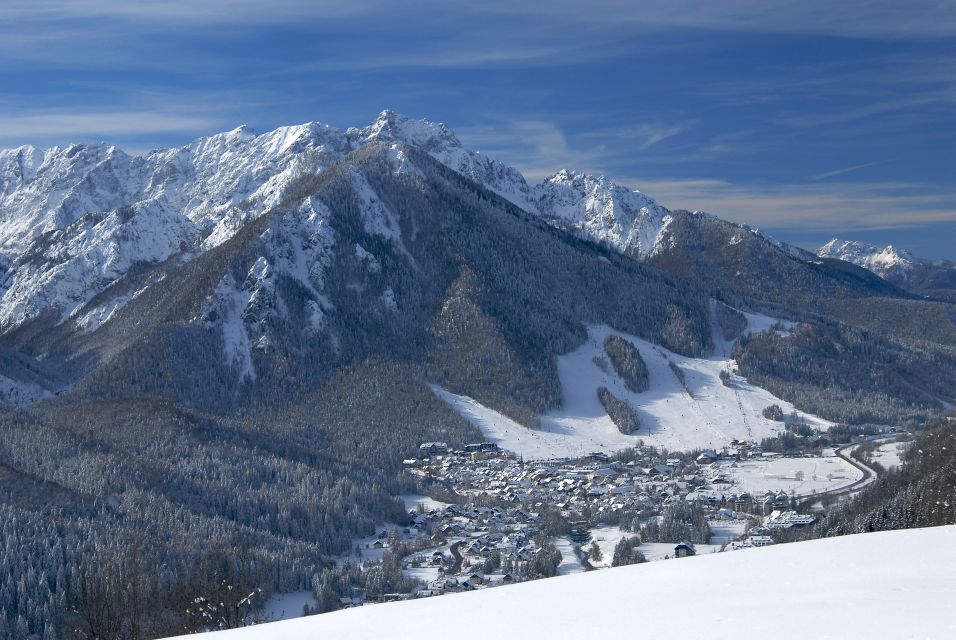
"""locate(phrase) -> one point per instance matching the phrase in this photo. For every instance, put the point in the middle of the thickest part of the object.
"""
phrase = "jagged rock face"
(887, 262)
(75, 220)
(597, 209)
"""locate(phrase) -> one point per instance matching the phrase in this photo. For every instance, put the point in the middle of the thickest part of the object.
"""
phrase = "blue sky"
(804, 119)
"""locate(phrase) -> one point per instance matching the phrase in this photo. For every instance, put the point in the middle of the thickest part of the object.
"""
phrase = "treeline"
(680, 521)
(621, 413)
(627, 363)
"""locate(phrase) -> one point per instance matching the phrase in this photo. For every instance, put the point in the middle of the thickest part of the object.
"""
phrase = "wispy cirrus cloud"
(844, 170)
(865, 18)
(830, 207)
(540, 146)
(861, 19)
(659, 135)
(136, 125)
(186, 12)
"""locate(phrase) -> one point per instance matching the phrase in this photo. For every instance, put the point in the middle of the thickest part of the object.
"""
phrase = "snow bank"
(19, 393)
(849, 587)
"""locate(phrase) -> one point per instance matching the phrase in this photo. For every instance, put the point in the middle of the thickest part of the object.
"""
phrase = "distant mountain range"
(930, 277)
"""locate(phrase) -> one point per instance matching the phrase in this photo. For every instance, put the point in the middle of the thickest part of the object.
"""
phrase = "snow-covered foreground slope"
(708, 414)
(849, 587)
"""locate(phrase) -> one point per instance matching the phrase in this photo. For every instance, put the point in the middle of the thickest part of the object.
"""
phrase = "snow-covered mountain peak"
(600, 209)
(436, 139)
(395, 127)
(902, 268)
(242, 132)
(884, 261)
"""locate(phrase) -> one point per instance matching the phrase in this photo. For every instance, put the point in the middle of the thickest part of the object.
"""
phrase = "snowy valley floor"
(846, 588)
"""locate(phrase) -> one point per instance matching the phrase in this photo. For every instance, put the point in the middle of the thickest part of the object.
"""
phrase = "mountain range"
(928, 277)
(88, 230)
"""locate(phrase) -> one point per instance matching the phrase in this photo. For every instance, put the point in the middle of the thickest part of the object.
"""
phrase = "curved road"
(869, 474)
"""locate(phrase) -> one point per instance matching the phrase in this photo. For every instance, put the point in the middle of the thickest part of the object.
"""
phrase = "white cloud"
(917, 19)
(185, 11)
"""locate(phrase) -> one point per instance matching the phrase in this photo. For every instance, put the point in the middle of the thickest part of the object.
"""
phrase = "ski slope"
(710, 415)
(848, 588)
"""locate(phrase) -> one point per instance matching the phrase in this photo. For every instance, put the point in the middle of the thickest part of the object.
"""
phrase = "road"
(869, 474)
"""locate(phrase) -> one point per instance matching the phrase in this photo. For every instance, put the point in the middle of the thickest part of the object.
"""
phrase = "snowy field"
(608, 537)
(888, 454)
(732, 596)
(21, 393)
(802, 476)
(425, 574)
(285, 606)
(412, 502)
(570, 563)
(710, 416)
(726, 531)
